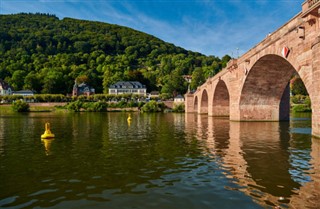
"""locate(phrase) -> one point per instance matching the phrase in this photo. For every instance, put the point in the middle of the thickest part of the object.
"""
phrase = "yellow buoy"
(47, 133)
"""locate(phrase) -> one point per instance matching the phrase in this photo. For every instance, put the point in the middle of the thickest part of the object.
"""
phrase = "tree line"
(42, 53)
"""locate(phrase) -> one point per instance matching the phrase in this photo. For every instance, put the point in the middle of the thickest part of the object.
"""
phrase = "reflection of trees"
(97, 156)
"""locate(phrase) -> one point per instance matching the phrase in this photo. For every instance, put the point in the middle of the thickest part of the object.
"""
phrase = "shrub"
(307, 101)
(301, 108)
(20, 106)
(99, 106)
(132, 104)
(140, 104)
(153, 106)
(82, 98)
(165, 96)
(122, 104)
(75, 106)
(298, 99)
(178, 108)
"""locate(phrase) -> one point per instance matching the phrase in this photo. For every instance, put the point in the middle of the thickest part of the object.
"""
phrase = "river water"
(99, 160)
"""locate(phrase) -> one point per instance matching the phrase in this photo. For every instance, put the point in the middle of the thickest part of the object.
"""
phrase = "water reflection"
(159, 160)
(271, 162)
(47, 145)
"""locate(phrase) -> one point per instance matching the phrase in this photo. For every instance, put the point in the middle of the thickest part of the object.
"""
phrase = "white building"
(128, 87)
(24, 93)
(179, 99)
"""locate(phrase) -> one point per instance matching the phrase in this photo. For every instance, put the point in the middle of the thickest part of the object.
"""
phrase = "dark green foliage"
(301, 108)
(95, 106)
(153, 106)
(178, 108)
(298, 87)
(20, 106)
(301, 103)
(45, 54)
(10, 98)
(36, 98)
(197, 78)
(299, 99)
(99, 106)
(75, 106)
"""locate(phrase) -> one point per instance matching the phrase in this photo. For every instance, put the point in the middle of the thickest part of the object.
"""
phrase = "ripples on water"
(157, 161)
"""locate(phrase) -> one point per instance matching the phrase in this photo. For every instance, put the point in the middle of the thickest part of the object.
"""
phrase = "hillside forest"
(40, 52)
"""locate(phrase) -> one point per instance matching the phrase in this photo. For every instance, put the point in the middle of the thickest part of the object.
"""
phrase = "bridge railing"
(312, 2)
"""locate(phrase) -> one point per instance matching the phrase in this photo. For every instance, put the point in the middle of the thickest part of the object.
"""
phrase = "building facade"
(82, 89)
(5, 88)
(24, 93)
(179, 99)
(128, 87)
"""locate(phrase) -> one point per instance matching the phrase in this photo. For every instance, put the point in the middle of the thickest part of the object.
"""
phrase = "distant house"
(179, 99)
(154, 94)
(23, 93)
(5, 89)
(128, 87)
(82, 89)
(188, 78)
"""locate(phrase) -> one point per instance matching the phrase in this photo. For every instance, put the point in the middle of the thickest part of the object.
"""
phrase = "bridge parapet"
(256, 83)
(312, 3)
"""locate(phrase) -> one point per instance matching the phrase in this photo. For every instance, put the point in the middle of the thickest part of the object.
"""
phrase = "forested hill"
(45, 54)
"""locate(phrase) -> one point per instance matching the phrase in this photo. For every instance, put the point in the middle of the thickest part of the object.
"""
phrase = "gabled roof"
(5, 85)
(24, 92)
(83, 87)
(179, 97)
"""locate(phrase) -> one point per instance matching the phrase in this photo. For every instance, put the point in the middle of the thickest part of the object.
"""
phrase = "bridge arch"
(265, 94)
(221, 100)
(204, 102)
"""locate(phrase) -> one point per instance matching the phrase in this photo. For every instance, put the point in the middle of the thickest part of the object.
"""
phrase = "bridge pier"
(315, 96)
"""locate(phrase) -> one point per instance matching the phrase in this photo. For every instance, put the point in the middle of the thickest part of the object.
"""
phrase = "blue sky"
(211, 27)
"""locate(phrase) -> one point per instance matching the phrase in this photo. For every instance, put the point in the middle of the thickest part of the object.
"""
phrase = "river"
(163, 160)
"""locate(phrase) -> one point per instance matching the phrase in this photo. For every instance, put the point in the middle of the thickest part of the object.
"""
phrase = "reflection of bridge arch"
(250, 163)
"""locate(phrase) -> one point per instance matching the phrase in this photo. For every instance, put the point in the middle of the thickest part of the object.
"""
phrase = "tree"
(298, 87)
(197, 78)
(174, 84)
(225, 59)
(82, 79)
(53, 83)
(20, 106)
(17, 79)
(32, 82)
(32, 45)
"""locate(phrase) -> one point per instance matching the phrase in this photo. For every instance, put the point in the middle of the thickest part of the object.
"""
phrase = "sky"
(211, 27)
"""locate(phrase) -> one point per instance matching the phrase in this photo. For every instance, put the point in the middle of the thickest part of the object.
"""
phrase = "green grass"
(301, 108)
(8, 109)
(5, 109)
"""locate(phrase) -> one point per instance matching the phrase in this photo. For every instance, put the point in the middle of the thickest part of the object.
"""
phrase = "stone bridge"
(255, 87)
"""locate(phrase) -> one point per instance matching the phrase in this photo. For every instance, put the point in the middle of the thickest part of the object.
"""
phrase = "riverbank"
(59, 106)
